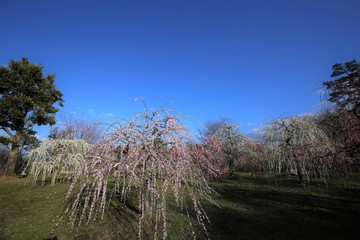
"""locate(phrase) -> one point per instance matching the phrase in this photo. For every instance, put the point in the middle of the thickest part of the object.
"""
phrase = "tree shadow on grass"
(119, 222)
(2, 234)
(122, 217)
(252, 210)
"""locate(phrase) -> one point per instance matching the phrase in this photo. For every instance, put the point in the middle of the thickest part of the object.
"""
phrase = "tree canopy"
(27, 98)
(230, 139)
(77, 129)
(345, 90)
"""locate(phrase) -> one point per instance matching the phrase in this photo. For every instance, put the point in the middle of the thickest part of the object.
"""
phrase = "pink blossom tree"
(152, 156)
(252, 157)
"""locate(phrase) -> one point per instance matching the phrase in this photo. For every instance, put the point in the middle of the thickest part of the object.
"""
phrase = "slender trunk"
(53, 179)
(299, 171)
(317, 171)
(279, 167)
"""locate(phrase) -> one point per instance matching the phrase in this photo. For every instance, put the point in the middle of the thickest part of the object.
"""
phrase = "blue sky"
(249, 61)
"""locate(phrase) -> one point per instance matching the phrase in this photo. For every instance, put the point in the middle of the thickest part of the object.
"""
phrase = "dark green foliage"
(345, 90)
(26, 99)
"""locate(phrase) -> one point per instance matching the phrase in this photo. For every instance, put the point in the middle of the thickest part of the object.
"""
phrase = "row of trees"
(151, 157)
(27, 99)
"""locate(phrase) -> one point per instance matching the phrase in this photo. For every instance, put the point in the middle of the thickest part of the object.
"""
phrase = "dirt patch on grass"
(11, 180)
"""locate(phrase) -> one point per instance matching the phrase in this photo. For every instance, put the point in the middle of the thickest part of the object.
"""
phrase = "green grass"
(254, 208)
(251, 208)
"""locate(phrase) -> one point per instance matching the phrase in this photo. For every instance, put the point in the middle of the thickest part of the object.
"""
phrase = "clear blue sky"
(249, 61)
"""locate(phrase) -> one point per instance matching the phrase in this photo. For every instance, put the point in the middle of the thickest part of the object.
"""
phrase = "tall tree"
(345, 120)
(26, 99)
(345, 90)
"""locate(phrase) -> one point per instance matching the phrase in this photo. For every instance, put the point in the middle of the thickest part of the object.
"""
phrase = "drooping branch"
(153, 155)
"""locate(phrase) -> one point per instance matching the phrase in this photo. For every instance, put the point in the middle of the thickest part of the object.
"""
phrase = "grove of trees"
(324, 145)
(153, 157)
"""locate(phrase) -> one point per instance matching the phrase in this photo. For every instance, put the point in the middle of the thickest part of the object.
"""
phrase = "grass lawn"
(254, 208)
(251, 208)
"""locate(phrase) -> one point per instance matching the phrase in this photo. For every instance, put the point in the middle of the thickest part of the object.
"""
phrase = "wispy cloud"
(41, 138)
(107, 116)
(255, 133)
(252, 124)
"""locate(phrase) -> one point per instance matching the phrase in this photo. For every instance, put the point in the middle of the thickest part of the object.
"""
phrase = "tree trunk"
(317, 171)
(299, 171)
(13, 155)
(12, 159)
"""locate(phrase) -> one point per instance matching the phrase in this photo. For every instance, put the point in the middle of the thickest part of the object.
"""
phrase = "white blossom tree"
(58, 158)
(298, 143)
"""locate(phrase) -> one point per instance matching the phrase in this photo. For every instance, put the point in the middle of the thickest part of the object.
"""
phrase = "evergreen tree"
(26, 99)
(345, 90)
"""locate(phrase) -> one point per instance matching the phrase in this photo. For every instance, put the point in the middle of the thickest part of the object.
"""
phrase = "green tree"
(345, 90)
(344, 120)
(26, 100)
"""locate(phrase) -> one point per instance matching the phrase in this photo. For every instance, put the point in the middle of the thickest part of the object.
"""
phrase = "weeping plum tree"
(211, 127)
(297, 143)
(26, 99)
(231, 145)
(60, 158)
(229, 139)
(253, 156)
(211, 150)
(152, 156)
